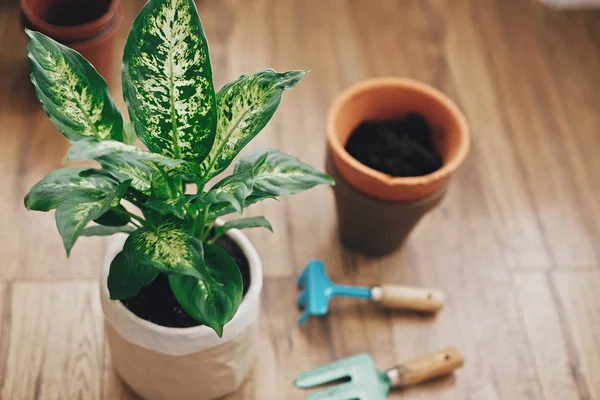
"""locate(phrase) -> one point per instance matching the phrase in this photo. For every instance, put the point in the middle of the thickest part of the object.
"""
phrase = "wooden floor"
(515, 244)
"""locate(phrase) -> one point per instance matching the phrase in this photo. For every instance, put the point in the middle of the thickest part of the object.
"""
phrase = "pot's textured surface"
(207, 374)
(162, 363)
(372, 226)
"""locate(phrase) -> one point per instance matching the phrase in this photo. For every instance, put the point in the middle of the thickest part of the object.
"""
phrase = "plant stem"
(206, 227)
(172, 190)
(200, 228)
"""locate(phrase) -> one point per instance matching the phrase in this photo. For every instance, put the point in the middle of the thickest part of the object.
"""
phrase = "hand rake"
(368, 383)
(318, 289)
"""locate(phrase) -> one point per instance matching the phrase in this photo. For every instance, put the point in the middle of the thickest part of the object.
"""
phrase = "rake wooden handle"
(409, 298)
(423, 369)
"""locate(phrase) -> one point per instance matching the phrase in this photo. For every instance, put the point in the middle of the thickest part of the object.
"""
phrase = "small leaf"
(169, 206)
(169, 248)
(101, 230)
(93, 148)
(63, 184)
(74, 96)
(244, 107)
(113, 218)
(126, 277)
(243, 223)
(233, 190)
(139, 173)
(73, 214)
(214, 299)
(220, 209)
(280, 174)
(167, 80)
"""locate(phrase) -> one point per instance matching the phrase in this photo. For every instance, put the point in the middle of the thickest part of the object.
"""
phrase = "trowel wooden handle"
(426, 368)
(409, 298)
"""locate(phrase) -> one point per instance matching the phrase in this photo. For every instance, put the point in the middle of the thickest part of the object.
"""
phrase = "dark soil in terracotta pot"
(400, 147)
(75, 14)
(156, 302)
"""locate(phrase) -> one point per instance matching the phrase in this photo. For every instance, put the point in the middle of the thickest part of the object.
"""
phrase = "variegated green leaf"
(167, 80)
(62, 184)
(139, 173)
(214, 299)
(280, 174)
(74, 96)
(101, 230)
(233, 190)
(221, 209)
(244, 107)
(169, 248)
(83, 206)
(126, 276)
(169, 206)
(129, 161)
(243, 223)
(93, 148)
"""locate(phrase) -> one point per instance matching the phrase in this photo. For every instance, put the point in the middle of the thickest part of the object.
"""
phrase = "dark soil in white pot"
(156, 302)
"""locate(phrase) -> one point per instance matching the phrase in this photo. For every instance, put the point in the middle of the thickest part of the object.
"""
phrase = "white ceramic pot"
(572, 3)
(162, 363)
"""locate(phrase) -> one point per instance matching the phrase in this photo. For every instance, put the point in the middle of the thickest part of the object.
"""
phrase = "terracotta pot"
(87, 27)
(162, 363)
(377, 211)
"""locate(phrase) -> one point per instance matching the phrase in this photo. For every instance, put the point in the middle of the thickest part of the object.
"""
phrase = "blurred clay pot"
(376, 211)
(89, 28)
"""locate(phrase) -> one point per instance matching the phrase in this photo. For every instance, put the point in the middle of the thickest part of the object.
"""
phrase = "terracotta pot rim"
(105, 35)
(77, 32)
(375, 83)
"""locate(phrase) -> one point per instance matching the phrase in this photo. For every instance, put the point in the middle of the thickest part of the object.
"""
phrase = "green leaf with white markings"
(92, 148)
(243, 223)
(101, 230)
(221, 209)
(129, 161)
(78, 195)
(126, 277)
(167, 80)
(244, 107)
(74, 96)
(169, 248)
(276, 173)
(233, 190)
(214, 299)
(169, 206)
(61, 185)
(139, 172)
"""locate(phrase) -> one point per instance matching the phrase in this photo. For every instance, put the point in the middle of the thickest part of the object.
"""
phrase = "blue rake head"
(318, 289)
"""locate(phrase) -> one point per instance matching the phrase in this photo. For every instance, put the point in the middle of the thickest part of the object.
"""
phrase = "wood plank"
(453, 250)
(539, 129)
(551, 343)
(5, 318)
(513, 216)
(55, 342)
(579, 299)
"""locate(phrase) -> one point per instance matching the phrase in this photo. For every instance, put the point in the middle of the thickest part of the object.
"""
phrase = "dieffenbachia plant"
(192, 134)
